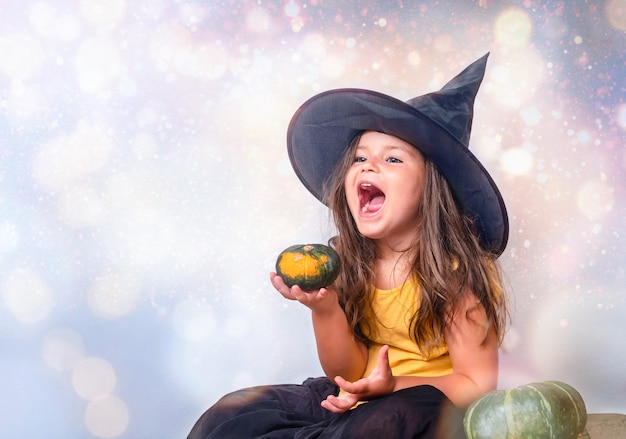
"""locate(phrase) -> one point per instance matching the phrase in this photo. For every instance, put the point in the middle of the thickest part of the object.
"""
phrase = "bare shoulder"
(469, 321)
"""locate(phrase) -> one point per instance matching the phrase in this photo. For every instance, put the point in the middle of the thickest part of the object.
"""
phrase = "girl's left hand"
(322, 300)
(380, 382)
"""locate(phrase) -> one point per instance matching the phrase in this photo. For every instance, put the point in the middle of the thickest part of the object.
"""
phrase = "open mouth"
(371, 198)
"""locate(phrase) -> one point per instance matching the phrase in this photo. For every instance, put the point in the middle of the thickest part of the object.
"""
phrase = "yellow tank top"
(390, 324)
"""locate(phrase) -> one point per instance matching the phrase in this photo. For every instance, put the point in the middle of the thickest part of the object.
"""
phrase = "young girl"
(408, 335)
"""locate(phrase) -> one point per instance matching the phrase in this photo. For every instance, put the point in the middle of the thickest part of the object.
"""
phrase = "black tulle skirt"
(289, 411)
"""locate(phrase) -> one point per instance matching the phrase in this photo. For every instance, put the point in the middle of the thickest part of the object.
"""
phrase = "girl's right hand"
(317, 300)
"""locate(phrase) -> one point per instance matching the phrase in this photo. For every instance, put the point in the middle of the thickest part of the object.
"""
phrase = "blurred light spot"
(13, 62)
(193, 320)
(583, 136)
(578, 39)
(103, 12)
(27, 296)
(192, 14)
(297, 23)
(107, 417)
(114, 295)
(93, 378)
(81, 206)
(68, 158)
(292, 9)
(517, 79)
(382, 22)
(500, 73)
(516, 161)
(97, 62)
(616, 14)
(62, 349)
(531, 115)
(505, 91)
(595, 200)
(487, 146)
(314, 45)
(414, 58)
(350, 43)
(513, 28)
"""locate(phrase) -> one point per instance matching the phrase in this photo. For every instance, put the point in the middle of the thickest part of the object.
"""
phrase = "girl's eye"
(359, 159)
(394, 160)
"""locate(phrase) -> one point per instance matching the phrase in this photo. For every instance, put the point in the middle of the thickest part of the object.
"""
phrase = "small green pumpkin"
(545, 410)
(310, 266)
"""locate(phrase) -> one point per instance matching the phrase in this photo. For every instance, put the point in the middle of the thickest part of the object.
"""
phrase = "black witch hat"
(438, 124)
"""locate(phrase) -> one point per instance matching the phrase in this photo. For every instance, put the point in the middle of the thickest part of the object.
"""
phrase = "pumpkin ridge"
(545, 404)
(530, 411)
(571, 398)
(468, 416)
(508, 411)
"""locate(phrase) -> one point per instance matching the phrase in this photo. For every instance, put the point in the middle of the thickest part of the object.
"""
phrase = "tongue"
(374, 204)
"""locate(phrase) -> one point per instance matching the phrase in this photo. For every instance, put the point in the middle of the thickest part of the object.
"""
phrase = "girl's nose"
(369, 166)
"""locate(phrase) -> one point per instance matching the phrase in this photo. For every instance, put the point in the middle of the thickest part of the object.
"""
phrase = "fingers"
(301, 295)
(295, 292)
(281, 287)
(357, 387)
(383, 357)
(339, 404)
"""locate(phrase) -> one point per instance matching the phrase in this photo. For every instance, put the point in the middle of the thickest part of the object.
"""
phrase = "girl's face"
(384, 187)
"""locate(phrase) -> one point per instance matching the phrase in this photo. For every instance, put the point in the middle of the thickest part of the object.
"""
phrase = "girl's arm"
(474, 358)
(339, 352)
(474, 364)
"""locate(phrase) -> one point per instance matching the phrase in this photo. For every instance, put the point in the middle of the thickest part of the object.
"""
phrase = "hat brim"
(323, 127)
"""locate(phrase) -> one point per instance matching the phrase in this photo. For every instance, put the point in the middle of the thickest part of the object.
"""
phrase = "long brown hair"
(448, 262)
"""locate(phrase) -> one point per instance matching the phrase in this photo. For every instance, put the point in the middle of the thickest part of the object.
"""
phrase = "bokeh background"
(145, 192)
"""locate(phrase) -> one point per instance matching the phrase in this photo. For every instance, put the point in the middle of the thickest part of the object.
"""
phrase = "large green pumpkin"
(545, 410)
(310, 266)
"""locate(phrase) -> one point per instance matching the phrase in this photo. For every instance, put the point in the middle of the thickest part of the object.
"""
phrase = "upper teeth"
(366, 185)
